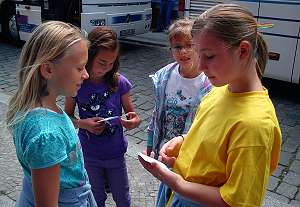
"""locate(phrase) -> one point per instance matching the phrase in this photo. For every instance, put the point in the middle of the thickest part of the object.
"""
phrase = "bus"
(282, 38)
(127, 17)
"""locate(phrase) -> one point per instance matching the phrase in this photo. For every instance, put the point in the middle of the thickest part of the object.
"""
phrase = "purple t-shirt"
(98, 100)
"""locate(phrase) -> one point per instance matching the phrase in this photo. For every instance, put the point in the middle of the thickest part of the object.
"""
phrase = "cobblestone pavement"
(137, 62)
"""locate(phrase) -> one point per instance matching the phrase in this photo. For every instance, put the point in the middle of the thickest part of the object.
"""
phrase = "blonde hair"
(232, 24)
(181, 27)
(50, 41)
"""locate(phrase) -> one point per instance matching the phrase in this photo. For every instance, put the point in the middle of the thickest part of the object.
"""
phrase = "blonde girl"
(46, 142)
(233, 145)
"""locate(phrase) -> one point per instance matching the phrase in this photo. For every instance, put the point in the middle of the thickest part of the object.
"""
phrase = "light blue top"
(45, 138)
(160, 81)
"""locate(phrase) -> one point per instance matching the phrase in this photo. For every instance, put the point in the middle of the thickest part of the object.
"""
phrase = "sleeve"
(124, 85)
(248, 174)
(45, 150)
(248, 164)
(150, 131)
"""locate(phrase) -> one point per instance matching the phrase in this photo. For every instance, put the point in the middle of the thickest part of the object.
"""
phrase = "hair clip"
(265, 25)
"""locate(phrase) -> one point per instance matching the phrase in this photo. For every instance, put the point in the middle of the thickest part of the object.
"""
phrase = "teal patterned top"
(45, 138)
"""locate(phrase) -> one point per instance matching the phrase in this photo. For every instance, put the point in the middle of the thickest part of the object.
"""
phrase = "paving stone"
(285, 158)
(273, 183)
(6, 202)
(146, 106)
(292, 178)
(298, 155)
(295, 203)
(132, 131)
(278, 171)
(141, 135)
(295, 166)
(289, 147)
(279, 200)
(298, 196)
(287, 190)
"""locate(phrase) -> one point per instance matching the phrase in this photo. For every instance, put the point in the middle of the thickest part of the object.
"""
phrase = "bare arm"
(45, 185)
(70, 108)
(133, 119)
(90, 124)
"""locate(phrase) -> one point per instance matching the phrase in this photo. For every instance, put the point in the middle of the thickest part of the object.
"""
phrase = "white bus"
(283, 38)
(126, 17)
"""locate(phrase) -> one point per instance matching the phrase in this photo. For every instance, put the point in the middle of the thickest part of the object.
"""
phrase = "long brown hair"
(104, 38)
(232, 24)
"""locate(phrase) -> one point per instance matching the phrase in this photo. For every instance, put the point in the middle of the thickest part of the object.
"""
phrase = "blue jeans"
(165, 14)
(75, 197)
(164, 195)
(115, 172)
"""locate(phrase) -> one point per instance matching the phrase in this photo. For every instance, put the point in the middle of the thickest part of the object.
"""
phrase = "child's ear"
(46, 70)
(244, 49)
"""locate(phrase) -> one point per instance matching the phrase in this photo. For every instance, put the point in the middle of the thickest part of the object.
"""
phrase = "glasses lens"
(179, 48)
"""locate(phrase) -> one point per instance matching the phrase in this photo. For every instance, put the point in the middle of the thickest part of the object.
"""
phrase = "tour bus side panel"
(296, 71)
(124, 16)
(282, 37)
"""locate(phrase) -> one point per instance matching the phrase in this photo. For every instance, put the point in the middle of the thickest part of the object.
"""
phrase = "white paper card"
(151, 160)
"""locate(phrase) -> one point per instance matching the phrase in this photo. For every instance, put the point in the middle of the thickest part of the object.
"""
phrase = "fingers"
(155, 169)
(172, 147)
(130, 115)
(169, 161)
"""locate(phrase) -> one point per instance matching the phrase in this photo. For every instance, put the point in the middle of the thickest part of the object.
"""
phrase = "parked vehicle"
(283, 38)
(126, 17)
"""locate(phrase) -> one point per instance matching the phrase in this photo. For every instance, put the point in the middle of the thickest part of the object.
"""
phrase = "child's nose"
(202, 64)
(85, 74)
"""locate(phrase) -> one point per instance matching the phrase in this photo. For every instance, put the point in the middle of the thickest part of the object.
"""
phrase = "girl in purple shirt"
(102, 96)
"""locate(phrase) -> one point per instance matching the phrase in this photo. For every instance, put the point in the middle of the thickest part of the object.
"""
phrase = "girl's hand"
(166, 176)
(132, 120)
(93, 125)
(170, 151)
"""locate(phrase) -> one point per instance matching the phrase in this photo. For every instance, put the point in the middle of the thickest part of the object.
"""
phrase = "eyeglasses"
(179, 48)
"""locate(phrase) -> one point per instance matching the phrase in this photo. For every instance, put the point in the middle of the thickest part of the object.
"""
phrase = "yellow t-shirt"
(233, 143)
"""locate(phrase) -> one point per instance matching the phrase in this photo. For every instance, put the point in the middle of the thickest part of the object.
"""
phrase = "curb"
(159, 39)
(143, 42)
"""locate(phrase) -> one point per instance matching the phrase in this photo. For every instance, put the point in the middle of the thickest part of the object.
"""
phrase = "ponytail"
(261, 55)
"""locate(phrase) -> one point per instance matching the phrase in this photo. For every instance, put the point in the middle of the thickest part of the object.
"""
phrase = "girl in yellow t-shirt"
(233, 145)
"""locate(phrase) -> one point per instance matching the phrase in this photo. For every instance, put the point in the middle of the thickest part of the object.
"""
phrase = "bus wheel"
(10, 28)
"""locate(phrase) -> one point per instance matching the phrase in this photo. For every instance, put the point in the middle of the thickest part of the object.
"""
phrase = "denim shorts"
(76, 197)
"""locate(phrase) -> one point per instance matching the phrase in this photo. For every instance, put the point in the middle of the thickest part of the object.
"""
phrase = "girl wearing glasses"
(179, 87)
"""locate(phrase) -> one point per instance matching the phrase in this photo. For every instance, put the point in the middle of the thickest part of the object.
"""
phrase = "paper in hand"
(151, 160)
(109, 118)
